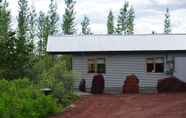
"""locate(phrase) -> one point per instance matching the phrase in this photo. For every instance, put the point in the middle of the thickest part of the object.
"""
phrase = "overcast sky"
(149, 13)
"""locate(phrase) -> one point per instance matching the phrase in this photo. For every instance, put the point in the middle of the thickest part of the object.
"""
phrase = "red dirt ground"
(128, 106)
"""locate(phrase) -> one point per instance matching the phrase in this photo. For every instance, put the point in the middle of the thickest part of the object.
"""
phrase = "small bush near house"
(82, 85)
(53, 72)
(61, 83)
(22, 99)
(131, 84)
(171, 84)
(98, 84)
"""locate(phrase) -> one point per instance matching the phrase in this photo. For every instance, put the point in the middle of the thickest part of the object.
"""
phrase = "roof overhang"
(120, 52)
(116, 44)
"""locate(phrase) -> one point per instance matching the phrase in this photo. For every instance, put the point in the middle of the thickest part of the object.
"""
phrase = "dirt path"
(129, 106)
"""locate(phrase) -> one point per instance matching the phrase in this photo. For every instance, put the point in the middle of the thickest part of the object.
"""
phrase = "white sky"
(149, 13)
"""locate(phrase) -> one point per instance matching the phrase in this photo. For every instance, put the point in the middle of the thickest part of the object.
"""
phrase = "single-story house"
(149, 57)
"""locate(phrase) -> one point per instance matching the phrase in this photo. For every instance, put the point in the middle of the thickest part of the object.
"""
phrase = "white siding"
(180, 65)
(117, 68)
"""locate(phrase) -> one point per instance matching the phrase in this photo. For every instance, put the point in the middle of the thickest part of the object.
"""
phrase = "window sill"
(155, 73)
(95, 73)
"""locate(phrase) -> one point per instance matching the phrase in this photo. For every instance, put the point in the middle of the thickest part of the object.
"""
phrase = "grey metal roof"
(115, 43)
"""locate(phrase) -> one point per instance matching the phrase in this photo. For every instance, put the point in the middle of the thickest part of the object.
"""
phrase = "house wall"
(118, 67)
(180, 66)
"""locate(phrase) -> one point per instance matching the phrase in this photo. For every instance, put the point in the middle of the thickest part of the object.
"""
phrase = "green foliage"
(131, 16)
(32, 23)
(4, 29)
(125, 21)
(85, 26)
(43, 32)
(24, 45)
(10, 64)
(53, 17)
(4, 20)
(23, 20)
(167, 22)
(53, 72)
(110, 23)
(68, 25)
(122, 19)
(22, 99)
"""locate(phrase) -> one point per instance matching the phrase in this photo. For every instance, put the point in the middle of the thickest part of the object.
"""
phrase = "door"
(180, 68)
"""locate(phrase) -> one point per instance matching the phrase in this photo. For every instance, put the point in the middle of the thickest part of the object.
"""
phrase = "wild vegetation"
(23, 55)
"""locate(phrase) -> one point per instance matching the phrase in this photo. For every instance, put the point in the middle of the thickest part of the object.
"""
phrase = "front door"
(180, 68)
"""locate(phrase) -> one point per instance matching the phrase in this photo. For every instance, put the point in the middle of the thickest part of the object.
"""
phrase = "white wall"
(180, 68)
(117, 68)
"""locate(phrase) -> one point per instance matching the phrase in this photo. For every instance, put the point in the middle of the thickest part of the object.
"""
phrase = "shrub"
(61, 83)
(131, 84)
(22, 99)
(98, 84)
(53, 73)
(171, 84)
(82, 85)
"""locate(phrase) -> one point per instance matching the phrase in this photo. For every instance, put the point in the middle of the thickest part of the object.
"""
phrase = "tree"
(85, 26)
(130, 23)
(53, 17)
(9, 54)
(110, 23)
(47, 25)
(32, 23)
(125, 23)
(4, 29)
(24, 44)
(12, 58)
(4, 19)
(43, 32)
(122, 19)
(167, 22)
(68, 25)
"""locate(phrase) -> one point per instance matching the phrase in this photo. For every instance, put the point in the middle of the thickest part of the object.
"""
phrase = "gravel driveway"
(128, 106)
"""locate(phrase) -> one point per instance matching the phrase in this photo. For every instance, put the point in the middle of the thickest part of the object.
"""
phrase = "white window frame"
(154, 64)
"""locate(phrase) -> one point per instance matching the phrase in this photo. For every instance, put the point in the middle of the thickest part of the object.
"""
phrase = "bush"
(82, 85)
(60, 82)
(53, 73)
(131, 84)
(98, 84)
(171, 84)
(22, 99)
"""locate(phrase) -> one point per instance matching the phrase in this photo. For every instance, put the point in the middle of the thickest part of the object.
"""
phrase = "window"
(96, 65)
(155, 65)
(150, 65)
(159, 65)
(100, 65)
(91, 66)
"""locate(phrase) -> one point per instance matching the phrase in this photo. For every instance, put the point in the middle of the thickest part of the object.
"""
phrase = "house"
(149, 57)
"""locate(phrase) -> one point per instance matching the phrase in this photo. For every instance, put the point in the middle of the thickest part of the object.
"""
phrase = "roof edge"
(117, 52)
(158, 34)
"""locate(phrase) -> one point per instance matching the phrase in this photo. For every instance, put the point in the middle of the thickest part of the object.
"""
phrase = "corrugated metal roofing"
(114, 43)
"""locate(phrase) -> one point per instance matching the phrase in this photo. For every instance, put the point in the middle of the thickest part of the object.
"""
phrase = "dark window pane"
(150, 67)
(91, 68)
(101, 68)
(91, 65)
(159, 68)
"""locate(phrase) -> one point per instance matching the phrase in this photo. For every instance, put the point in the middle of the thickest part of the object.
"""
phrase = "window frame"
(95, 62)
(154, 64)
(89, 63)
(103, 59)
